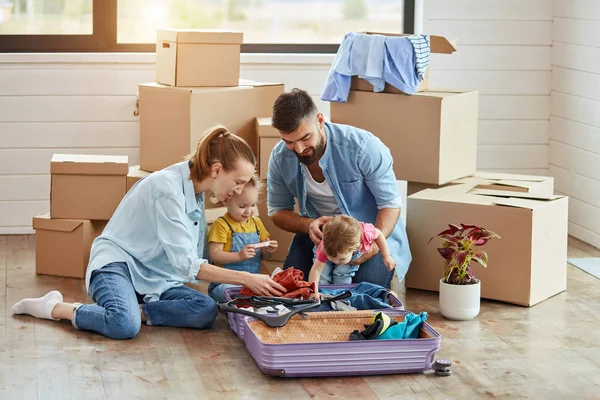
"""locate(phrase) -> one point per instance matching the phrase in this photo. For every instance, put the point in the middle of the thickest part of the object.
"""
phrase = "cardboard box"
(172, 119)
(87, 186)
(532, 184)
(195, 57)
(363, 85)
(438, 45)
(432, 135)
(62, 246)
(527, 265)
(268, 137)
(134, 175)
(284, 238)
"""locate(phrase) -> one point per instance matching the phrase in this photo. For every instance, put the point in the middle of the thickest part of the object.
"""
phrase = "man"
(332, 169)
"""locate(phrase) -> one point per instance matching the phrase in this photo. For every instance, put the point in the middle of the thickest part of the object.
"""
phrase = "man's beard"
(317, 153)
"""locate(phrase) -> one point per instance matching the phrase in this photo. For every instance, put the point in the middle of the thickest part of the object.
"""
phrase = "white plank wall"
(575, 121)
(504, 50)
(84, 102)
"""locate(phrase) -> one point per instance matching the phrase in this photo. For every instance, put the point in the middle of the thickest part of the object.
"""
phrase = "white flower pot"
(460, 302)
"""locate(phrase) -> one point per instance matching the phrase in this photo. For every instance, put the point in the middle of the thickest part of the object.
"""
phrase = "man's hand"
(366, 256)
(263, 285)
(314, 229)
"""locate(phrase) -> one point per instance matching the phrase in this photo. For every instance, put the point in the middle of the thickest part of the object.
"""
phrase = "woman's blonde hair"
(341, 234)
(217, 144)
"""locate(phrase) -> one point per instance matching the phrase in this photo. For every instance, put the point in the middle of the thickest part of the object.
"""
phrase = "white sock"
(40, 307)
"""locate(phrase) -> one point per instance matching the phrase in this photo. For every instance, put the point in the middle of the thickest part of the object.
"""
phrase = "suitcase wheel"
(442, 372)
(442, 363)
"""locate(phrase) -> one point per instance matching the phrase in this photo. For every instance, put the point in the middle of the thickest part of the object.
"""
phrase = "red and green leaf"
(481, 257)
(446, 252)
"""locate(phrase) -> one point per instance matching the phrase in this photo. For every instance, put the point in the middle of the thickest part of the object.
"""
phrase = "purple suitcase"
(236, 321)
(341, 358)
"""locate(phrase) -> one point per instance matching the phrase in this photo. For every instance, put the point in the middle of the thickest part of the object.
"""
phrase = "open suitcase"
(317, 345)
(236, 321)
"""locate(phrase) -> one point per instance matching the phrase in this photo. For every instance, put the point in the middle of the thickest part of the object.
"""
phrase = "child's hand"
(272, 246)
(247, 252)
(389, 262)
(316, 296)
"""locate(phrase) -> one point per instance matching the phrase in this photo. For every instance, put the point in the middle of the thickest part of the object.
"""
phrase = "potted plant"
(460, 291)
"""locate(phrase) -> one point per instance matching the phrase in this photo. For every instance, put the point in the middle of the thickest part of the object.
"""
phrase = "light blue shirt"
(359, 170)
(378, 59)
(158, 230)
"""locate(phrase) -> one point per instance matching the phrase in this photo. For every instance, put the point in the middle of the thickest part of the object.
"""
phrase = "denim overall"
(339, 274)
(238, 242)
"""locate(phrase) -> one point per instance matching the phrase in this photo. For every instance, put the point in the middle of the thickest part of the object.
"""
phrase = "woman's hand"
(263, 285)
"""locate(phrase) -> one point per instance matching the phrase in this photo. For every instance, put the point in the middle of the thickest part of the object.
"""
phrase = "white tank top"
(320, 195)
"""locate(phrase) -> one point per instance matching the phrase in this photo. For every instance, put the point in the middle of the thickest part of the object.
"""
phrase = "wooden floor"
(550, 351)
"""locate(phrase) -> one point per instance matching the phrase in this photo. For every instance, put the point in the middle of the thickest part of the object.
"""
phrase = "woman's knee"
(123, 324)
(204, 311)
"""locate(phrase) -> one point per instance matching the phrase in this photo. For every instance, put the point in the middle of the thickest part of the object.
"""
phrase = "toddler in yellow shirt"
(238, 240)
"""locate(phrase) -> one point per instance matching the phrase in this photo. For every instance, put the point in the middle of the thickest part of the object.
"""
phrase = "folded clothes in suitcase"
(317, 344)
(236, 321)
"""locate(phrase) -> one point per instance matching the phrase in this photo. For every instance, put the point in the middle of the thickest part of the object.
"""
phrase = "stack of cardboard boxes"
(85, 190)
(432, 136)
(199, 86)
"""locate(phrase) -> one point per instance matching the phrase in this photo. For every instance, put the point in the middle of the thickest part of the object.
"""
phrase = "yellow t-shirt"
(221, 233)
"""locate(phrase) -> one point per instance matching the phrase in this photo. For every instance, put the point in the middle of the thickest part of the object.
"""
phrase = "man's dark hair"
(291, 108)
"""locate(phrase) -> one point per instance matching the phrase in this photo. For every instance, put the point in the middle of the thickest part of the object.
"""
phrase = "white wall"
(504, 50)
(84, 102)
(575, 120)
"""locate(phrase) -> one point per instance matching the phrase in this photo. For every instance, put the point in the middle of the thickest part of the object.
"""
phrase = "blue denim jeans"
(217, 293)
(300, 257)
(116, 313)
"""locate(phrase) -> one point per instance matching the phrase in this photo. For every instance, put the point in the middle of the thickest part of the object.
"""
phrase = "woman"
(154, 243)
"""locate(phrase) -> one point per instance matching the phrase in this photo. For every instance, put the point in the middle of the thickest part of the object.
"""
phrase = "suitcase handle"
(271, 321)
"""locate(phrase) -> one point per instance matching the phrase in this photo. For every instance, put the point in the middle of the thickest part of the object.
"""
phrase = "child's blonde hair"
(341, 234)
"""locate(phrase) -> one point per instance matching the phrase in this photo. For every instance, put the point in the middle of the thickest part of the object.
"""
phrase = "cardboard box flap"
(438, 44)
(507, 193)
(496, 176)
(530, 204)
(441, 93)
(265, 129)
(247, 82)
(136, 172)
(85, 164)
(205, 36)
(62, 225)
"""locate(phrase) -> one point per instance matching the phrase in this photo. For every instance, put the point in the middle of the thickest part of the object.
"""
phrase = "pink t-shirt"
(368, 236)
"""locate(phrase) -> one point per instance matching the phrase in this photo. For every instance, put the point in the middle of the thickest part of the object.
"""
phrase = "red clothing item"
(292, 280)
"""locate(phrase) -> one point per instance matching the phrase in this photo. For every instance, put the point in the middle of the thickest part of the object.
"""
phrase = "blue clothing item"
(376, 58)
(158, 230)
(116, 313)
(339, 274)
(365, 296)
(359, 170)
(407, 329)
(217, 292)
(239, 240)
(422, 47)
